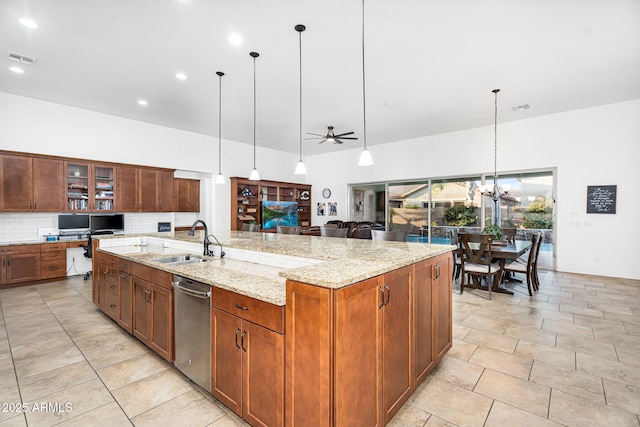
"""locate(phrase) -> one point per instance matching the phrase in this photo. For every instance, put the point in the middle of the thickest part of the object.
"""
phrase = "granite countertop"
(323, 261)
(39, 242)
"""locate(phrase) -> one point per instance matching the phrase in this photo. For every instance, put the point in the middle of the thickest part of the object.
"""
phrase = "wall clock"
(326, 193)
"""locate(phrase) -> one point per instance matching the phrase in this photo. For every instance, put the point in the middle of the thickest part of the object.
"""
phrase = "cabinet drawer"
(20, 249)
(113, 306)
(270, 316)
(52, 269)
(113, 286)
(124, 265)
(78, 244)
(150, 274)
(106, 259)
(53, 247)
(51, 256)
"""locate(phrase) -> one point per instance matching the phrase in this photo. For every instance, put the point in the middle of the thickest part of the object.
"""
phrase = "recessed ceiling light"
(235, 39)
(181, 76)
(17, 70)
(142, 102)
(29, 23)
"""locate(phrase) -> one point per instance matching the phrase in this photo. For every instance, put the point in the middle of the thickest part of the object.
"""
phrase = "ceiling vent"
(23, 59)
(521, 107)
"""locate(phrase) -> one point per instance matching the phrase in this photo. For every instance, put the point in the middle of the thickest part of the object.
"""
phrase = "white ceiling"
(434, 62)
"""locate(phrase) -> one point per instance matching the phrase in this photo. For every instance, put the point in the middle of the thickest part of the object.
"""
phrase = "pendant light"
(300, 168)
(254, 175)
(495, 193)
(220, 178)
(365, 155)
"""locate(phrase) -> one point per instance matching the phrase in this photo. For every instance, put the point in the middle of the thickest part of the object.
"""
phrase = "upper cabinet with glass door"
(78, 183)
(103, 185)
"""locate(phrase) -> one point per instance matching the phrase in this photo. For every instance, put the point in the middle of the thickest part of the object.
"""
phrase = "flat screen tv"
(113, 222)
(73, 222)
(279, 213)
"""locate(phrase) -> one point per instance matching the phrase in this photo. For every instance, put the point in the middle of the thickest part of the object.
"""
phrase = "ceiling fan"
(331, 137)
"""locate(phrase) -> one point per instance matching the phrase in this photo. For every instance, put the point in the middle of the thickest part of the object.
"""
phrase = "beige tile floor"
(570, 356)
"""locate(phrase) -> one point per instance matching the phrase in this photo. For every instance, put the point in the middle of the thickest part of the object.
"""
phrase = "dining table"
(503, 251)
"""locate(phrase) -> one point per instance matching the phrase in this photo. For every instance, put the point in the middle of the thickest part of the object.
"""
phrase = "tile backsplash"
(25, 227)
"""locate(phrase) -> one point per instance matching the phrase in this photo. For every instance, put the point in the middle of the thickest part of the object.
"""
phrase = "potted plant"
(494, 229)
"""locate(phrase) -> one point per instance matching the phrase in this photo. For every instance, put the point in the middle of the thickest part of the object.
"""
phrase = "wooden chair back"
(481, 255)
(288, 229)
(333, 232)
(509, 234)
(390, 236)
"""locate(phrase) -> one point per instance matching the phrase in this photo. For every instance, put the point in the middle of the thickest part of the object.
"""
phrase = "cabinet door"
(187, 195)
(3, 269)
(126, 196)
(165, 191)
(48, 185)
(161, 339)
(397, 346)
(226, 359)
(16, 175)
(23, 267)
(423, 327)
(263, 376)
(126, 300)
(358, 349)
(103, 187)
(442, 305)
(142, 310)
(147, 195)
(77, 180)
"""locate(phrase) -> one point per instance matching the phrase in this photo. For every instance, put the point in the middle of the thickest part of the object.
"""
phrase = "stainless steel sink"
(182, 259)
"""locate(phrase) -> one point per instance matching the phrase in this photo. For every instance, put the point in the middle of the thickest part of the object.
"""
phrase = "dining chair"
(333, 232)
(476, 262)
(390, 236)
(528, 269)
(509, 234)
(457, 254)
(288, 229)
(250, 227)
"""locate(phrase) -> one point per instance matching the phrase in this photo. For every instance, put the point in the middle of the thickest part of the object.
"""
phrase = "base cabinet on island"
(352, 353)
(153, 316)
(247, 359)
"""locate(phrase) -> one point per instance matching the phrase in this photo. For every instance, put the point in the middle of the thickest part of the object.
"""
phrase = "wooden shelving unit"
(246, 198)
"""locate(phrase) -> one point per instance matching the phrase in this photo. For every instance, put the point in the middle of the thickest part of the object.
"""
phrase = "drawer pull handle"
(237, 332)
(112, 306)
(244, 334)
(242, 307)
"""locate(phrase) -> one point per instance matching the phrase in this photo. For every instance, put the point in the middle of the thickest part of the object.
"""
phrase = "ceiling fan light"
(254, 175)
(220, 179)
(301, 169)
(365, 158)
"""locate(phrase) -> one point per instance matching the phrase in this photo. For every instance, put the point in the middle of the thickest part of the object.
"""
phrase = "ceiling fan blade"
(349, 137)
(344, 134)
(337, 141)
(321, 137)
(322, 141)
(316, 134)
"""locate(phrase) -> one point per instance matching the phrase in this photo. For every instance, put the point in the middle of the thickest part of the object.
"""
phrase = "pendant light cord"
(495, 140)
(220, 74)
(300, 29)
(364, 99)
(254, 55)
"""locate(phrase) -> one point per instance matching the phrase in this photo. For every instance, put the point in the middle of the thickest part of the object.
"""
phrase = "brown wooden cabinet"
(247, 197)
(16, 177)
(247, 359)
(48, 185)
(186, 195)
(442, 303)
(53, 258)
(142, 189)
(354, 354)
(125, 281)
(126, 197)
(152, 321)
(19, 264)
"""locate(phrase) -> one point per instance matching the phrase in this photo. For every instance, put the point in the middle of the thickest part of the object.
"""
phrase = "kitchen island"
(363, 322)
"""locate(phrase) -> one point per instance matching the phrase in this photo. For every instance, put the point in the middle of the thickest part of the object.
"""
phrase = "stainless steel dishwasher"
(192, 314)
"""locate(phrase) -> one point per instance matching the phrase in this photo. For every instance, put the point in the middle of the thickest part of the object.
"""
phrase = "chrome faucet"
(207, 242)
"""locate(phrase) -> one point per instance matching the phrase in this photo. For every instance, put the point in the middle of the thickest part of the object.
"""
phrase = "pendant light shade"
(365, 155)
(300, 167)
(254, 175)
(220, 178)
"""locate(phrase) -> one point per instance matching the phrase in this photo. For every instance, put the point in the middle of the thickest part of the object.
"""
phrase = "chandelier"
(495, 192)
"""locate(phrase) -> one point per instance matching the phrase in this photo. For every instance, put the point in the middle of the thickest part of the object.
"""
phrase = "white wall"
(34, 126)
(593, 146)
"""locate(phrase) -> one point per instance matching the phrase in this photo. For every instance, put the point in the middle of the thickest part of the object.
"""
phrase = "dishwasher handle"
(189, 291)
